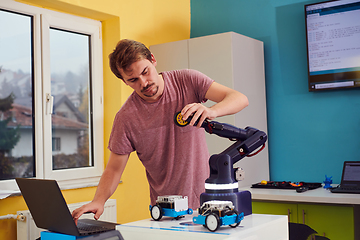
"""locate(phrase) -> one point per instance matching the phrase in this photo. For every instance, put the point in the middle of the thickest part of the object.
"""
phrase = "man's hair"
(126, 53)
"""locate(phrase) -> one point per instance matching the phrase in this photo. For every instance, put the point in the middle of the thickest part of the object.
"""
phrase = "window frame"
(43, 20)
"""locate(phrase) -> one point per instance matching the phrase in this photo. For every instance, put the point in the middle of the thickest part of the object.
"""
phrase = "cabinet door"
(212, 55)
(333, 222)
(289, 209)
(171, 56)
(237, 62)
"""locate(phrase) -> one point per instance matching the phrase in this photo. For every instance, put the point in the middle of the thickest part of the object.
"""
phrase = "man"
(175, 158)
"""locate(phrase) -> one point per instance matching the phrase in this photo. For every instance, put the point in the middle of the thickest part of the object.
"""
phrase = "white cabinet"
(235, 61)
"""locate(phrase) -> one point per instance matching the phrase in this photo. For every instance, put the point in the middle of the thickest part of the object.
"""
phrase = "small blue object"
(46, 235)
(328, 182)
(113, 234)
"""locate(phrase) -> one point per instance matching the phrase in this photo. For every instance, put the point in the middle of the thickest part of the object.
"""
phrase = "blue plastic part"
(226, 220)
(199, 219)
(172, 213)
(46, 235)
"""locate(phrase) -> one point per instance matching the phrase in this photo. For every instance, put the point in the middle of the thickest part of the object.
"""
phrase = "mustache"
(147, 87)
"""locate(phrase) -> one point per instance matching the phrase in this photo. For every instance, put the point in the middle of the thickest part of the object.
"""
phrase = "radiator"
(27, 230)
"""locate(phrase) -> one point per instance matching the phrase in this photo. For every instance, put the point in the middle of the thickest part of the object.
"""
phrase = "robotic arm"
(222, 184)
(247, 140)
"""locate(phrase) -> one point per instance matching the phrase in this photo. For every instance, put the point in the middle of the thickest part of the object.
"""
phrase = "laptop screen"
(351, 174)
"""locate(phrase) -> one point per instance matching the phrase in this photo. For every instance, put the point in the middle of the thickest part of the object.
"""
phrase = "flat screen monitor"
(333, 44)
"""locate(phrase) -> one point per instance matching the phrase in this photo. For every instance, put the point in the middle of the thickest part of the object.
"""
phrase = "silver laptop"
(350, 179)
(50, 211)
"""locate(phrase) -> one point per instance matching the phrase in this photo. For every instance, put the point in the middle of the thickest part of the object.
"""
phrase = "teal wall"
(310, 134)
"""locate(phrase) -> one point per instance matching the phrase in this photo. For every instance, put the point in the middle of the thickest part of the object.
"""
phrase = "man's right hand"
(108, 183)
(91, 207)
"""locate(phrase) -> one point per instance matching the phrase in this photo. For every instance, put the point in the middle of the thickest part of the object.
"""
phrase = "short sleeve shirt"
(175, 158)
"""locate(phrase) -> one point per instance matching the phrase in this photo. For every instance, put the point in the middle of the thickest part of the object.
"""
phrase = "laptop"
(350, 180)
(50, 211)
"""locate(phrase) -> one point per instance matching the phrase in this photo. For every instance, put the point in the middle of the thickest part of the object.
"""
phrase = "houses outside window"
(50, 96)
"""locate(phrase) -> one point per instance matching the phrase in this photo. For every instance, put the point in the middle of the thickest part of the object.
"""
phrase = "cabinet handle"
(303, 216)
(289, 212)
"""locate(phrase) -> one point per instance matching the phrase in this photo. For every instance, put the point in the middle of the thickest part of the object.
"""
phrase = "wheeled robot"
(215, 213)
(175, 206)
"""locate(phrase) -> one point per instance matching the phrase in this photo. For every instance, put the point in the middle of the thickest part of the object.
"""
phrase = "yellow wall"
(147, 21)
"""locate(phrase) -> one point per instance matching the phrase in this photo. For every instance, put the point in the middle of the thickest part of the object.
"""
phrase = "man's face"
(144, 79)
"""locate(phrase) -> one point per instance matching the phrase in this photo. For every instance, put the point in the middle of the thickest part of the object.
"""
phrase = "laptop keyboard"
(351, 188)
(346, 190)
(84, 227)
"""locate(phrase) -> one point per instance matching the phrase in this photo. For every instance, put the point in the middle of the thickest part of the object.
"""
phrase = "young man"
(175, 158)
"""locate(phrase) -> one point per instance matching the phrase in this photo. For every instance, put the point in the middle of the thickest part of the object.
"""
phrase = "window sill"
(63, 186)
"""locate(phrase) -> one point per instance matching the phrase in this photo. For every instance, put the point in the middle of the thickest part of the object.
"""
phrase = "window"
(50, 96)
(16, 74)
(56, 144)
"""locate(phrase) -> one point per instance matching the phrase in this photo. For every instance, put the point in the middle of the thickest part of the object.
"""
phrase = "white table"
(254, 227)
(319, 195)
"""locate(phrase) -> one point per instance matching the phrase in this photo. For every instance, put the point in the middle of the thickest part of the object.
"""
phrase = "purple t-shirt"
(175, 158)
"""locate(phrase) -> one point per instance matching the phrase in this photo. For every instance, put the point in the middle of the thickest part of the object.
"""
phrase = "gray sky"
(15, 42)
(69, 51)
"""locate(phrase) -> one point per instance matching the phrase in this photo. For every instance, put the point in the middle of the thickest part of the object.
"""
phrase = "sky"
(68, 51)
(15, 48)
